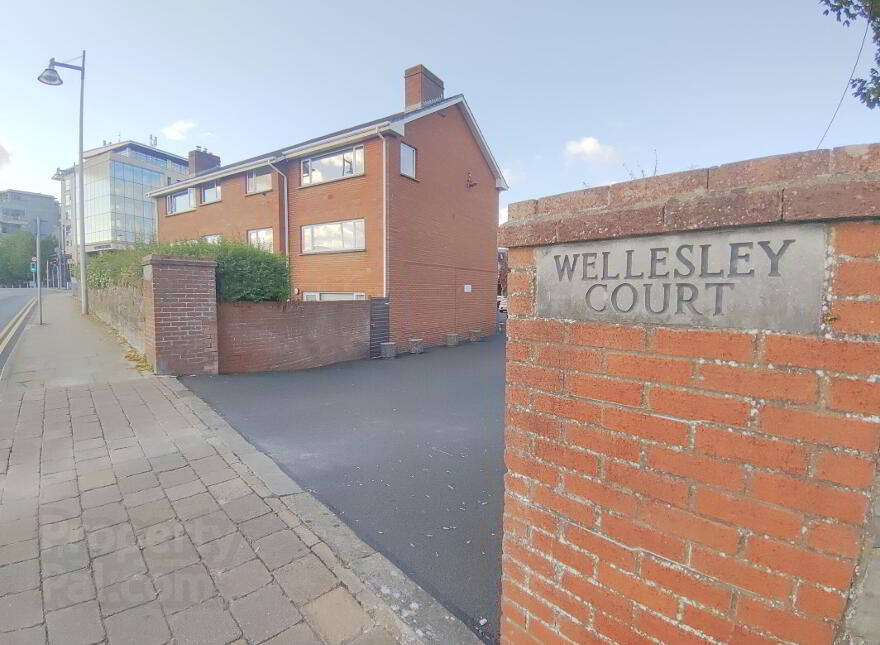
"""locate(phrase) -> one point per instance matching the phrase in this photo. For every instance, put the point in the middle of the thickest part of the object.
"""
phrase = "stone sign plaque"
(746, 278)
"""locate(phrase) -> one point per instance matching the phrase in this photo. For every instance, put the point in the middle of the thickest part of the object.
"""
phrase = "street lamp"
(50, 76)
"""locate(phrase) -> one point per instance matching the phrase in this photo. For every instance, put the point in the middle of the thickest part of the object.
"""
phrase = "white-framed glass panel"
(407, 160)
(259, 181)
(180, 201)
(333, 237)
(210, 192)
(335, 165)
(328, 296)
(212, 239)
(261, 238)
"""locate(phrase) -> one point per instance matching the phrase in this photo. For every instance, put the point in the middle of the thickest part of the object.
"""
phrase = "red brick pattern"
(272, 336)
(180, 311)
(442, 231)
(806, 186)
(437, 235)
(687, 486)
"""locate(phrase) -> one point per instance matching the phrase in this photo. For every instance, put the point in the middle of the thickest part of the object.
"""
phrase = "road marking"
(9, 331)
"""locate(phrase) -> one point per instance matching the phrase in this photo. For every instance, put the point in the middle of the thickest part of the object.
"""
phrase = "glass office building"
(117, 178)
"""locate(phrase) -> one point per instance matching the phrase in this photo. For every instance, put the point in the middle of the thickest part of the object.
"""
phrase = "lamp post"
(51, 77)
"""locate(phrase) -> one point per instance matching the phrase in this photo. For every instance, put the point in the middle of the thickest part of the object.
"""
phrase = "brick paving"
(131, 512)
(124, 519)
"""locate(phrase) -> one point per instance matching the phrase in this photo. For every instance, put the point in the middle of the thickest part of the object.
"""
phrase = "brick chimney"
(200, 160)
(421, 87)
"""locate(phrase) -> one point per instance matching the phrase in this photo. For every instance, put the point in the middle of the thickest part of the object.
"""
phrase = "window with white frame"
(261, 238)
(327, 296)
(335, 165)
(210, 192)
(181, 201)
(259, 181)
(333, 237)
(212, 239)
(407, 160)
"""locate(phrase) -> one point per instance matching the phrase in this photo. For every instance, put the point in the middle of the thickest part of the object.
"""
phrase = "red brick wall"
(442, 233)
(352, 198)
(232, 216)
(273, 336)
(684, 485)
(180, 311)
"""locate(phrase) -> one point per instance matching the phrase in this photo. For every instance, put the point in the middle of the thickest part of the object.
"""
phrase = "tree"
(867, 90)
(16, 251)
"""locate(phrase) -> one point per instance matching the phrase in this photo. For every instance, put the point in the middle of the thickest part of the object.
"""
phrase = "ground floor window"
(333, 237)
(325, 296)
(261, 238)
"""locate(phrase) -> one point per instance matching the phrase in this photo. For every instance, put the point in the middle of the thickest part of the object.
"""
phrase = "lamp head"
(50, 75)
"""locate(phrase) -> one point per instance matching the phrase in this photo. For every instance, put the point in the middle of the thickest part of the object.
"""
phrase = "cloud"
(589, 149)
(177, 130)
(513, 176)
(502, 214)
(5, 157)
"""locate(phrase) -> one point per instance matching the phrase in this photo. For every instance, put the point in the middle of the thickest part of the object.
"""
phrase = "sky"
(568, 94)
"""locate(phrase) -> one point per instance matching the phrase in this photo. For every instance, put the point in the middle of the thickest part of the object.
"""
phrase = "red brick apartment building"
(404, 207)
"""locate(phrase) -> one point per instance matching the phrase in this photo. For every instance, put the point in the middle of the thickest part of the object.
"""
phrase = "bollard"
(416, 345)
(389, 350)
(451, 340)
(476, 335)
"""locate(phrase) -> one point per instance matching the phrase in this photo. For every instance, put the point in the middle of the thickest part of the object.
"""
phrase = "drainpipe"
(286, 211)
(384, 213)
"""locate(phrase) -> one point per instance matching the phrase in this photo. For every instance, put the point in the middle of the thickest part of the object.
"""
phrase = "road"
(408, 452)
(11, 302)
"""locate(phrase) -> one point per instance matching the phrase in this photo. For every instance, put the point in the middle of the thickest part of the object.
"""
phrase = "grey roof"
(329, 135)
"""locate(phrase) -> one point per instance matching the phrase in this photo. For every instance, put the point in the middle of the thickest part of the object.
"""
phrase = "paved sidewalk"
(65, 351)
(131, 513)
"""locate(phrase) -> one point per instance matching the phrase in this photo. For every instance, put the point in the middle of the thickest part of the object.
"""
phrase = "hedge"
(243, 272)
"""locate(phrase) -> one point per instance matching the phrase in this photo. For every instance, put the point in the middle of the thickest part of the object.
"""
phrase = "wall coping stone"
(783, 188)
(178, 260)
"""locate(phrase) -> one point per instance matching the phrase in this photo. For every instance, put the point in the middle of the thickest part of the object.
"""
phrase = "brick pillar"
(699, 467)
(180, 310)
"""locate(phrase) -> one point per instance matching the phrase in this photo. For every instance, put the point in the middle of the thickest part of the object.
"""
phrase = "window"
(210, 192)
(407, 160)
(316, 296)
(212, 239)
(259, 181)
(180, 201)
(333, 237)
(335, 165)
(261, 238)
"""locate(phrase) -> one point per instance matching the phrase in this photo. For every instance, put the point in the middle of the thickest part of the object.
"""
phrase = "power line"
(868, 19)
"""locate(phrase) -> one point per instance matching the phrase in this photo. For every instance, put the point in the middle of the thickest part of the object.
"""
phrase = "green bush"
(243, 272)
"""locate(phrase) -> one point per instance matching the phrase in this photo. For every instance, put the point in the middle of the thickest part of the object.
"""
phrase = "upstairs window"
(259, 181)
(336, 165)
(407, 160)
(210, 192)
(333, 237)
(181, 201)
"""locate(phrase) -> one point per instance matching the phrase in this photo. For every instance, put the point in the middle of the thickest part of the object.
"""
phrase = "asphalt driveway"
(408, 452)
